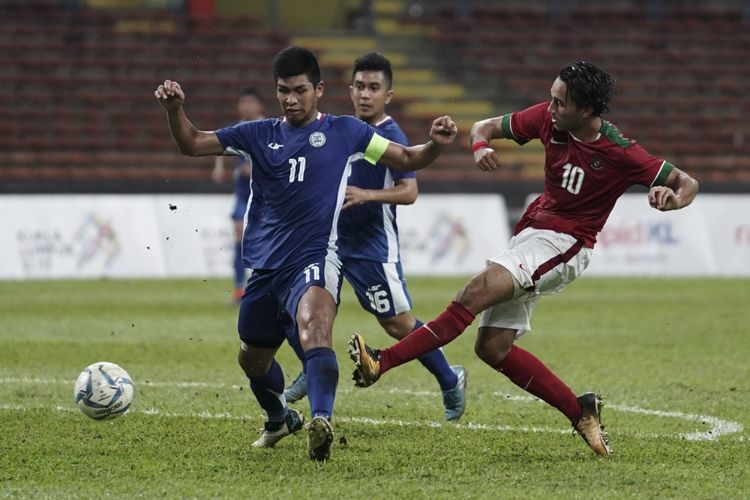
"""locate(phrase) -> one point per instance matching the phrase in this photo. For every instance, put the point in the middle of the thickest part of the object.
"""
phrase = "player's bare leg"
(315, 314)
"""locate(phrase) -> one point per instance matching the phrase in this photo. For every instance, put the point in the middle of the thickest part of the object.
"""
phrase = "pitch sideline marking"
(357, 420)
(717, 427)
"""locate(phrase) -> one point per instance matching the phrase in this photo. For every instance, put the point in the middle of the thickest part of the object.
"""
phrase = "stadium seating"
(76, 93)
(78, 113)
(680, 75)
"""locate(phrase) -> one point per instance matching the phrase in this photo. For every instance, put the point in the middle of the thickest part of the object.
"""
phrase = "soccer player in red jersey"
(588, 165)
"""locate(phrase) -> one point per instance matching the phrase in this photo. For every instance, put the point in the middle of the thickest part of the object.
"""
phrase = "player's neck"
(313, 116)
(375, 119)
(588, 131)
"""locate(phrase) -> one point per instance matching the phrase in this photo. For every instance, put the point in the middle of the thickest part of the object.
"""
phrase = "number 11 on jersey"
(312, 271)
(297, 169)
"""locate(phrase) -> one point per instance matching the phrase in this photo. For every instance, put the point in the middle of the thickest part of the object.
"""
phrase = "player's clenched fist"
(663, 198)
(486, 159)
(443, 130)
(170, 95)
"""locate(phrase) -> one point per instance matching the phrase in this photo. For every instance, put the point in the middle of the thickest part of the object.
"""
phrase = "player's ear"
(320, 89)
(586, 112)
(388, 96)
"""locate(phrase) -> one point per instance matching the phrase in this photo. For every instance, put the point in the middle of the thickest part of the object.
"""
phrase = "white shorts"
(542, 263)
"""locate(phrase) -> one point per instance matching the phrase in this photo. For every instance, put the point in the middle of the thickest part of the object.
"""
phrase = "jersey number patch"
(312, 271)
(297, 169)
(379, 301)
(572, 178)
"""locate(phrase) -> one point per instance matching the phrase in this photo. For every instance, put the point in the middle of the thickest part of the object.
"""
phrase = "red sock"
(527, 372)
(427, 337)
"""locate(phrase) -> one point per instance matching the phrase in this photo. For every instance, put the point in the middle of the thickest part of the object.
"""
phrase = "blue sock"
(322, 371)
(269, 390)
(239, 271)
(436, 363)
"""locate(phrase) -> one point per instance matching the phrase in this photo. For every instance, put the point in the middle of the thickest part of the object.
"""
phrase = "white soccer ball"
(103, 391)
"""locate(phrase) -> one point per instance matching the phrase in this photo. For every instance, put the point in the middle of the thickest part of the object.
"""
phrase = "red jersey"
(582, 180)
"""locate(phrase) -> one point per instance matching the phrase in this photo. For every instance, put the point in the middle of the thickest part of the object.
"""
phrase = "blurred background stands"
(77, 77)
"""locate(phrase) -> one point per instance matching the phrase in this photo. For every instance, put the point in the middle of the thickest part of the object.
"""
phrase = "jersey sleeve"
(361, 138)
(238, 139)
(644, 168)
(523, 126)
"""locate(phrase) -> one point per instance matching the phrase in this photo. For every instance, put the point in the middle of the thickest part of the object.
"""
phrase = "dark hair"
(588, 86)
(374, 61)
(294, 61)
(251, 91)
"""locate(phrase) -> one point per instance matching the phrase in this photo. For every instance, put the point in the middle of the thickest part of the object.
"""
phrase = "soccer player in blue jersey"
(368, 235)
(300, 167)
(249, 107)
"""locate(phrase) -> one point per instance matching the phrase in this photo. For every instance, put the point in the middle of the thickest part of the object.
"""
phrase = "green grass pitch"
(671, 357)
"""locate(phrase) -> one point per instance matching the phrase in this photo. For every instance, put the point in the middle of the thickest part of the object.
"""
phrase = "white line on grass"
(356, 420)
(717, 427)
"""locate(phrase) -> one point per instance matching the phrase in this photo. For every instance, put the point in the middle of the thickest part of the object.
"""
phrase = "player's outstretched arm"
(190, 141)
(482, 132)
(410, 158)
(677, 192)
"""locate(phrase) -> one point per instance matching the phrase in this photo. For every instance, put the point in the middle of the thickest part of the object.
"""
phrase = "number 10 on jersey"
(572, 178)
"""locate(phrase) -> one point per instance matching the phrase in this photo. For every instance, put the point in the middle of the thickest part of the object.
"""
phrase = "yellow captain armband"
(376, 148)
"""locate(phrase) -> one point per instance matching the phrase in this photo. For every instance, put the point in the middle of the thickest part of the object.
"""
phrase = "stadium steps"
(423, 91)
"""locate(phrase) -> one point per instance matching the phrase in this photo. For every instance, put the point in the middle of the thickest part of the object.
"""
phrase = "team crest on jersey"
(317, 139)
(596, 162)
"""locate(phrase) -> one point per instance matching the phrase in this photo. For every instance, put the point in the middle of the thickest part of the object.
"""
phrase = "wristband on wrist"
(479, 145)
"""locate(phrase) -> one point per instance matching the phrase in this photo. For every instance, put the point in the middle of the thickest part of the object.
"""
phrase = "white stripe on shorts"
(396, 287)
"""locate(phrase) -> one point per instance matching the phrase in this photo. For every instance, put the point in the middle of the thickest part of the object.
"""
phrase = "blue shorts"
(379, 287)
(269, 307)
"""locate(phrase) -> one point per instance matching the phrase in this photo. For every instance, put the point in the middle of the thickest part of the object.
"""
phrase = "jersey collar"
(318, 118)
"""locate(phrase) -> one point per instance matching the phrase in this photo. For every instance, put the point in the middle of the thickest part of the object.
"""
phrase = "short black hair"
(589, 86)
(294, 61)
(374, 61)
(251, 91)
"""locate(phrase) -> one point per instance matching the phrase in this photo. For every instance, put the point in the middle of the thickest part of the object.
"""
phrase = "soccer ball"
(103, 391)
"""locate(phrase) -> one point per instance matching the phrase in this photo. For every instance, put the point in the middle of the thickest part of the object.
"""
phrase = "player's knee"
(251, 365)
(492, 349)
(313, 336)
(490, 287)
(398, 326)
(470, 296)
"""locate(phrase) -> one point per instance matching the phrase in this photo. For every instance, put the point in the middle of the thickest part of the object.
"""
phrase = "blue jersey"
(298, 184)
(369, 231)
